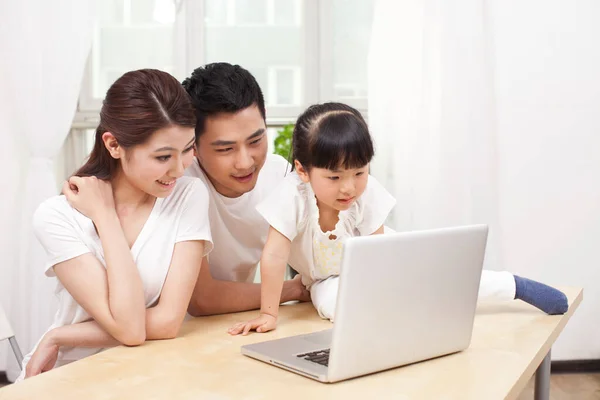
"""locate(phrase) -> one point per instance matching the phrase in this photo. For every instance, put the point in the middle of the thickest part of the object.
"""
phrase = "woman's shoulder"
(54, 211)
(55, 206)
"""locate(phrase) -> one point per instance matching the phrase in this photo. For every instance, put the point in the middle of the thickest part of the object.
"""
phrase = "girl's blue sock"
(544, 297)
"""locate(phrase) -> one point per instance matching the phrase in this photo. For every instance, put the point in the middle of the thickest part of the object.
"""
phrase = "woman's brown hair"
(138, 104)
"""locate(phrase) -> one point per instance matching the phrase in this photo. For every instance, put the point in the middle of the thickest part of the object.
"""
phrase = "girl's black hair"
(331, 136)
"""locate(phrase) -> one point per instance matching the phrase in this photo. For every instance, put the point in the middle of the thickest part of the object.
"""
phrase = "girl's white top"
(292, 210)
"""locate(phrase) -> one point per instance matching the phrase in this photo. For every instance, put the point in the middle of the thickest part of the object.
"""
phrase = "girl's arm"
(272, 270)
(378, 231)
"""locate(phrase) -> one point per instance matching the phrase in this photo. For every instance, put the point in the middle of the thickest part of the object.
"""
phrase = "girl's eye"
(360, 173)
(334, 178)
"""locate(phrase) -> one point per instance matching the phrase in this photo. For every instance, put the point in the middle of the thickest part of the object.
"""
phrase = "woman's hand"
(90, 196)
(44, 357)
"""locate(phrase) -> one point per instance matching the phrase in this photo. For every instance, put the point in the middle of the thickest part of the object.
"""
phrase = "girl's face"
(154, 166)
(337, 189)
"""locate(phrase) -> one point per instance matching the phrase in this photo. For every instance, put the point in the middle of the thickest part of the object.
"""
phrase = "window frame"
(317, 69)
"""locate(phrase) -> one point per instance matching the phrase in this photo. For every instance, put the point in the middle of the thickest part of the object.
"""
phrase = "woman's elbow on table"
(132, 337)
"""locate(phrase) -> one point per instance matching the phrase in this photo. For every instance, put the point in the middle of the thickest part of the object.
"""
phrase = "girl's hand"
(264, 323)
(90, 196)
(44, 357)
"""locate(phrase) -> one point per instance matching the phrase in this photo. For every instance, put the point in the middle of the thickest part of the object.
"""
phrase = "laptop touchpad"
(320, 338)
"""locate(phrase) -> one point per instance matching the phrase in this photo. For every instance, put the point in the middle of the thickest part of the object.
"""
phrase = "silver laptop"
(403, 298)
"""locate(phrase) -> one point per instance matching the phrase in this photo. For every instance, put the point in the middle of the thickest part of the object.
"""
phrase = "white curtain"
(431, 113)
(44, 46)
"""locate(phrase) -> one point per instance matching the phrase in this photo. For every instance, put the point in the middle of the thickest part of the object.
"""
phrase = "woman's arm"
(161, 321)
(112, 296)
(116, 309)
(164, 320)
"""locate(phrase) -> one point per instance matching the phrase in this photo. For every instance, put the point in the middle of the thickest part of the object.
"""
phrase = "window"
(300, 51)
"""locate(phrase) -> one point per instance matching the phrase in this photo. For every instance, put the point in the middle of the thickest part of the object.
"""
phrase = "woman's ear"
(111, 144)
(301, 171)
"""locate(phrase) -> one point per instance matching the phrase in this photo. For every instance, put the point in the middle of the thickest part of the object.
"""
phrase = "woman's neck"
(126, 195)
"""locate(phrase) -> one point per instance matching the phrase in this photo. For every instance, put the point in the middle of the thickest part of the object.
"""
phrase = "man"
(232, 160)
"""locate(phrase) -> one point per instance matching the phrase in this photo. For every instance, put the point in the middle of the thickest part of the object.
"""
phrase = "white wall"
(547, 78)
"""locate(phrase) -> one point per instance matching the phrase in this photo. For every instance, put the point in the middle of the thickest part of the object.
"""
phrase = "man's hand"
(302, 294)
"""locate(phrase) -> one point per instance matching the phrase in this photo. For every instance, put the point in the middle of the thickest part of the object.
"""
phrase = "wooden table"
(510, 341)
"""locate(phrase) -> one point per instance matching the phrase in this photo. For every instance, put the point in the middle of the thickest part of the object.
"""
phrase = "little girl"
(329, 197)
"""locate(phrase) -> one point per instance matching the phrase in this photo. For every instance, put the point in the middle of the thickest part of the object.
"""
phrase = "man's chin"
(242, 187)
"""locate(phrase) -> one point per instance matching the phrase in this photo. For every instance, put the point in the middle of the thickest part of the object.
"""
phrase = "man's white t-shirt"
(65, 234)
(239, 232)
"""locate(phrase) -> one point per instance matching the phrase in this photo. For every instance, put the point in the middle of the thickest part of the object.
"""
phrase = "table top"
(509, 341)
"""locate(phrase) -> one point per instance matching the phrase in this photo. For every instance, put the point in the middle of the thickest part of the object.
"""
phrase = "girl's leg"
(502, 285)
(324, 296)
(497, 286)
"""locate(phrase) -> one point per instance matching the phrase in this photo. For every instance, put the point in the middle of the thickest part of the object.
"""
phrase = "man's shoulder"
(275, 169)
(195, 171)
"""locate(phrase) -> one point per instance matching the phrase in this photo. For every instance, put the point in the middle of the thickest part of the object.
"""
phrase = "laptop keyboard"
(319, 357)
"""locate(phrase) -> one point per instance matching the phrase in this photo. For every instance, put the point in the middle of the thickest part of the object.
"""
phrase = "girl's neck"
(328, 217)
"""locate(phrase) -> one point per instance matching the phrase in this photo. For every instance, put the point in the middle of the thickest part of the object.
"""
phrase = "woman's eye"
(163, 158)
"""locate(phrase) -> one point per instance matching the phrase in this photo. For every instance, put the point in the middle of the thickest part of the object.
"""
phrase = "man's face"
(232, 150)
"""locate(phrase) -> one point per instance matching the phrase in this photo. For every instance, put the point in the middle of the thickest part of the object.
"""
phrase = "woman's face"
(154, 166)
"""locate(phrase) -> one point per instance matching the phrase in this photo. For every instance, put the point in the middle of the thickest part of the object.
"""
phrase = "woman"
(126, 238)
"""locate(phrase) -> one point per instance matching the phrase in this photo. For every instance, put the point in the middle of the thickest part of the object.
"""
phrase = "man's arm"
(212, 296)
